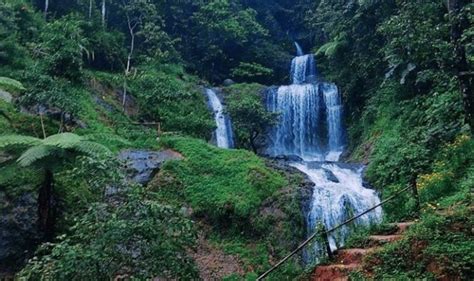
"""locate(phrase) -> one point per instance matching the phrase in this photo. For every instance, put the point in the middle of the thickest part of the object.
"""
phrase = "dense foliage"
(139, 239)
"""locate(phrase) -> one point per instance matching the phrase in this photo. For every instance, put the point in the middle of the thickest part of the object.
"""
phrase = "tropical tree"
(49, 155)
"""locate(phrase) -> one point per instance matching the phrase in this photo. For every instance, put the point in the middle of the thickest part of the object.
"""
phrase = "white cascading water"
(223, 133)
(310, 127)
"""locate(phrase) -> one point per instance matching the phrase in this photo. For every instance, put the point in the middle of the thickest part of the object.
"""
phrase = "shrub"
(140, 239)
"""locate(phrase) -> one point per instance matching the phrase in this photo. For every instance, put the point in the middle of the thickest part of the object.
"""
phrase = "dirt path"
(213, 263)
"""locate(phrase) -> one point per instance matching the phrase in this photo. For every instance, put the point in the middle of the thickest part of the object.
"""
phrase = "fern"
(11, 84)
(53, 146)
(17, 140)
(34, 154)
(64, 140)
(106, 138)
(330, 49)
(92, 149)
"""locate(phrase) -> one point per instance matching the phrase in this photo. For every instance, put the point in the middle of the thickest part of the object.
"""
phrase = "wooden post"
(414, 190)
(324, 235)
(159, 128)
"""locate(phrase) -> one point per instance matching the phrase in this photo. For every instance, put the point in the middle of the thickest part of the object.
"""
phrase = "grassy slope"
(227, 189)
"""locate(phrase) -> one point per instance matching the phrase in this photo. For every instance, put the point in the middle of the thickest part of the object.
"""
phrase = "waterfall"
(310, 126)
(223, 133)
(308, 110)
(303, 69)
(299, 50)
(333, 104)
(338, 195)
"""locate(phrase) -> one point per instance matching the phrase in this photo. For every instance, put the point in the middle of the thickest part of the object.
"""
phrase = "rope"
(306, 242)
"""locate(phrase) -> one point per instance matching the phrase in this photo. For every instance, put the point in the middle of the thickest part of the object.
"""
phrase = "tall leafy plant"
(49, 155)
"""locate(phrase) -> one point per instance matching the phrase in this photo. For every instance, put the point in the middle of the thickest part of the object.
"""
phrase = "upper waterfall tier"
(223, 133)
(299, 50)
(303, 69)
(310, 124)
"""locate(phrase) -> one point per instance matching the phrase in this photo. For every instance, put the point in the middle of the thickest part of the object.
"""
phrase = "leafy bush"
(252, 72)
(452, 167)
(169, 96)
(250, 119)
(61, 48)
(139, 239)
(439, 246)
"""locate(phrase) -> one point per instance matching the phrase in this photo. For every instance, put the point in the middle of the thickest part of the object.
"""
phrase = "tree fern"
(92, 149)
(106, 138)
(11, 84)
(64, 140)
(52, 146)
(330, 48)
(17, 140)
(34, 154)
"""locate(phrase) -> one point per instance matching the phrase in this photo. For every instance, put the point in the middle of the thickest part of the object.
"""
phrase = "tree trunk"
(103, 12)
(46, 7)
(46, 208)
(131, 29)
(458, 25)
(90, 8)
(252, 140)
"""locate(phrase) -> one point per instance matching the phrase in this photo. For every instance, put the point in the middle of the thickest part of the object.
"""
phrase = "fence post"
(324, 235)
(414, 190)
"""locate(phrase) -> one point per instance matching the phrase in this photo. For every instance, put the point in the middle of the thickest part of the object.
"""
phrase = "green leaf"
(9, 84)
(17, 140)
(34, 154)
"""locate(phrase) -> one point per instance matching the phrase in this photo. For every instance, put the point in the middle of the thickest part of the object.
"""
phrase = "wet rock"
(6, 96)
(289, 158)
(19, 232)
(330, 176)
(141, 165)
(228, 82)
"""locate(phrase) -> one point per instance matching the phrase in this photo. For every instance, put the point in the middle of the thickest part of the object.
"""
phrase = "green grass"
(226, 186)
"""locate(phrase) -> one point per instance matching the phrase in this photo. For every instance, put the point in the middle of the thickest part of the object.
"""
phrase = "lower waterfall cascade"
(310, 126)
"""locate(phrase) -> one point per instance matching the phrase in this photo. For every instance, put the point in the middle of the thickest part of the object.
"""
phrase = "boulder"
(6, 96)
(141, 165)
(228, 82)
(330, 176)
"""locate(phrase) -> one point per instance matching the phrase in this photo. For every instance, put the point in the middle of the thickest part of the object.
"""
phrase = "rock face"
(287, 208)
(142, 165)
(19, 232)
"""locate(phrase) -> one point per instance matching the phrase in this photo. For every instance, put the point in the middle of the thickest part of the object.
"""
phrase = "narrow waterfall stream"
(223, 134)
(311, 128)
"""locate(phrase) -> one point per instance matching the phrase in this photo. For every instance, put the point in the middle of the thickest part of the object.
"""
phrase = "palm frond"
(18, 140)
(93, 149)
(64, 140)
(34, 154)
